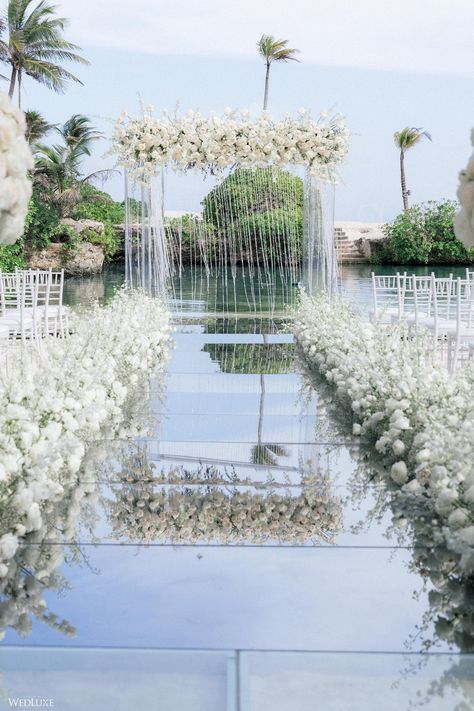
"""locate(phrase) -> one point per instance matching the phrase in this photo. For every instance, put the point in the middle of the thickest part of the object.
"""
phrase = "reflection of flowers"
(213, 143)
(182, 506)
(34, 567)
(53, 404)
(404, 403)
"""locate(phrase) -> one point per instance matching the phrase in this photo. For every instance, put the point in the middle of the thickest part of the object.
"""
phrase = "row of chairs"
(442, 305)
(31, 304)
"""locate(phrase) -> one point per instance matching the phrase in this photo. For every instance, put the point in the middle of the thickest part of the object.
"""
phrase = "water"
(154, 611)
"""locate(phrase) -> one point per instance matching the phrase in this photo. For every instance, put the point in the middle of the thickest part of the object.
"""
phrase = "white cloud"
(422, 36)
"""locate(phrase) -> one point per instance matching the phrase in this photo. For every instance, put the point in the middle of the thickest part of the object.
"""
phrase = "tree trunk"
(267, 81)
(19, 90)
(403, 180)
(12, 83)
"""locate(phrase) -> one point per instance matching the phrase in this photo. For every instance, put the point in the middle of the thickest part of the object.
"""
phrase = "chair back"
(388, 293)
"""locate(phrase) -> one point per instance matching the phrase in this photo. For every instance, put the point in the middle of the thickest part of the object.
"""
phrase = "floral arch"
(232, 149)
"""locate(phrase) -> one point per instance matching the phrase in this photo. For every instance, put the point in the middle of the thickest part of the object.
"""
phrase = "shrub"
(264, 205)
(41, 221)
(98, 205)
(11, 256)
(106, 239)
(424, 234)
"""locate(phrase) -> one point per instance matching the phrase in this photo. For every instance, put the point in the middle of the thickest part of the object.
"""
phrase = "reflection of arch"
(217, 506)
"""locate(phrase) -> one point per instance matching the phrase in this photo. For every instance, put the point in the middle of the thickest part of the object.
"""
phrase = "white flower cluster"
(464, 220)
(181, 507)
(213, 143)
(15, 162)
(403, 401)
(55, 403)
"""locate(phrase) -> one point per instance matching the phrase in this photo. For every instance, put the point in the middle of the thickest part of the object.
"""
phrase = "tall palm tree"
(404, 140)
(273, 50)
(36, 127)
(35, 46)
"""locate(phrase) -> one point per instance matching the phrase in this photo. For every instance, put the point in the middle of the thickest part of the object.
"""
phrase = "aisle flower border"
(213, 143)
(56, 403)
(403, 403)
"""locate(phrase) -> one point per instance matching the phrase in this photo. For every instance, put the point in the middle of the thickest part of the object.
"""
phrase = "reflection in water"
(212, 506)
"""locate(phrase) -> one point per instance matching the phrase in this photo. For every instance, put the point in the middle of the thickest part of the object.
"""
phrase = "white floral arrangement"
(15, 162)
(55, 403)
(214, 143)
(464, 220)
(207, 506)
(404, 403)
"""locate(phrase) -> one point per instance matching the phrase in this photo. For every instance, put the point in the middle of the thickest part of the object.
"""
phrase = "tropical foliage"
(424, 234)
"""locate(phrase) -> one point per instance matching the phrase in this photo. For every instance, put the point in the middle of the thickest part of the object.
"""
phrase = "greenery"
(11, 256)
(41, 221)
(35, 45)
(264, 204)
(424, 234)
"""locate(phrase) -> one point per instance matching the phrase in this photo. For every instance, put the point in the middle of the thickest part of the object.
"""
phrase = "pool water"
(192, 612)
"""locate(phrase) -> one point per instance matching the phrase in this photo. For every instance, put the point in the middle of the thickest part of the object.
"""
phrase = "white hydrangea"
(15, 162)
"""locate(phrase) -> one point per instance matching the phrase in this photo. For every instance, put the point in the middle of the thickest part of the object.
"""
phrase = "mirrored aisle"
(242, 557)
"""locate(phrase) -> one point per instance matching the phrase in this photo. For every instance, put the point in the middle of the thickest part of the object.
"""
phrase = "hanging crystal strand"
(266, 187)
(309, 232)
(246, 249)
(320, 265)
(128, 246)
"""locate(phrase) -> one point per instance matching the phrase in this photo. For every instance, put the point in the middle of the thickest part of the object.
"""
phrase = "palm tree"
(36, 127)
(405, 139)
(35, 45)
(273, 50)
(58, 168)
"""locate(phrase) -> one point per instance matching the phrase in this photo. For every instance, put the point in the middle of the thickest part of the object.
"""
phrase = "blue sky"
(380, 74)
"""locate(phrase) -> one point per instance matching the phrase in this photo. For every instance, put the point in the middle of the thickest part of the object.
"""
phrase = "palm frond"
(276, 50)
(409, 137)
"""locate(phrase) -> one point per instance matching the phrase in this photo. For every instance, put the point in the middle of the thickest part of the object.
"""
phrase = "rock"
(82, 260)
(81, 225)
(370, 248)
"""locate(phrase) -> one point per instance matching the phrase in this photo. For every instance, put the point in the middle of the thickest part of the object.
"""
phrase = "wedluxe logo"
(31, 702)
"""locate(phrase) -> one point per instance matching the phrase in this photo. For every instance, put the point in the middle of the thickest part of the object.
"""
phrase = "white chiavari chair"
(19, 306)
(463, 333)
(388, 297)
(53, 313)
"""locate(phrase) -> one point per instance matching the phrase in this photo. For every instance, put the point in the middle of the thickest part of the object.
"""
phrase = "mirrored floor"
(238, 555)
